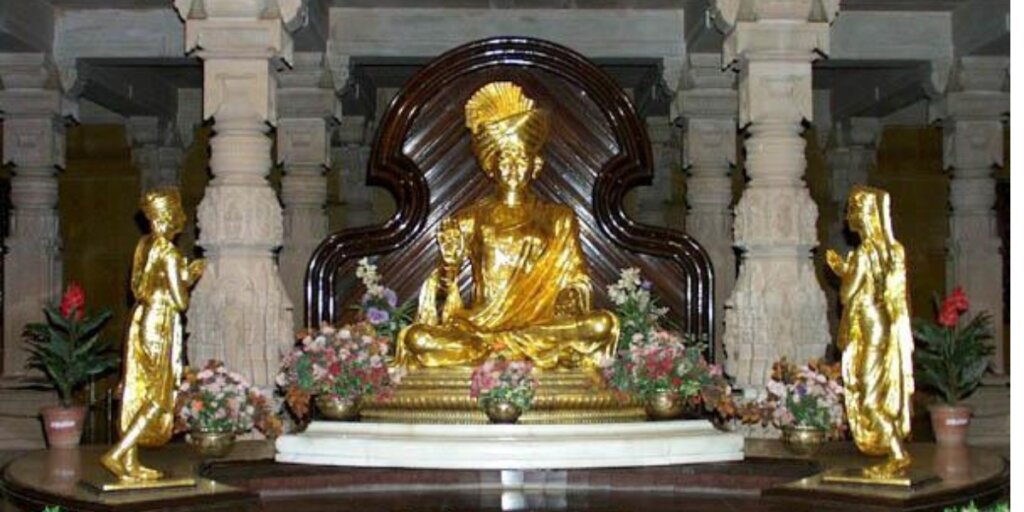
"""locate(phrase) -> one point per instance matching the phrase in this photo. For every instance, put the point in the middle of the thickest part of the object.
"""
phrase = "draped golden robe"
(153, 351)
(531, 294)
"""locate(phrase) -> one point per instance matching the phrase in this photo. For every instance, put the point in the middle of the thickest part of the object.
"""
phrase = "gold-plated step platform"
(441, 395)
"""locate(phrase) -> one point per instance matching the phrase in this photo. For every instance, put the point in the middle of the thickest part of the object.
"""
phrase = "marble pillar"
(357, 198)
(240, 311)
(777, 308)
(659, 204)
(308, 113)
(33, 143)
(973, 147)
(708, 110)
(156, 152)
(850, 161)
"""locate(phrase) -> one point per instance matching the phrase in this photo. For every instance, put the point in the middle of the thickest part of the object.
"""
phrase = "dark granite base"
(768, 480)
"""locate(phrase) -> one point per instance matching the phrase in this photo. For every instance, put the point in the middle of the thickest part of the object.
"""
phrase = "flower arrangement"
(67, 347)
(498, 380)
(379, 305)
(653, 360)
(810, 395)
(216, 400)
(951, 358)
(664, 362)
(637, 309)
(346, 363)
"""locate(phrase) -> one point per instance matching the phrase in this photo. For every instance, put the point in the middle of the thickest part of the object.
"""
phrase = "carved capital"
(972, 146)
(728, 13)
(239, 89)
(28, 71)
(708, 103)
(33, 143)
(776, 91)
(978, 73)
(304, 142)
(241, 28)
(710, 142)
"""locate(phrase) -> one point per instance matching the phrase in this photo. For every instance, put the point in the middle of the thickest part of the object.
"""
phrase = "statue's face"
(859, 213)
(513, 165)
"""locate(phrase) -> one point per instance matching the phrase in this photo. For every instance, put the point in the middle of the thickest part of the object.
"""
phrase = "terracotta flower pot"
(950, 424)
(63, 425)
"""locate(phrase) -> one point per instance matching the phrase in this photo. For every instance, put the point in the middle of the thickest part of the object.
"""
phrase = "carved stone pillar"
(34, 145)
(777, 308)
(308, 111)
(240, 312)
(352, 157)
(973, 146)
(709, 119)
(851, 160)
(156, 152)
(657, 204)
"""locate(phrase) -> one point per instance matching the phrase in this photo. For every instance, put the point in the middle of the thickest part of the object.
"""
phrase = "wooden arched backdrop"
(598, 150)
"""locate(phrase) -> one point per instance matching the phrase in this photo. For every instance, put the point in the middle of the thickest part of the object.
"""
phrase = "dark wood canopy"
(598, 151)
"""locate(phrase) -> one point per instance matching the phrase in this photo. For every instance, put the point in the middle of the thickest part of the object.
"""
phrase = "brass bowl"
(339, 409)
(803, 440)
(212, 444)
(664, 405)
(502, 412)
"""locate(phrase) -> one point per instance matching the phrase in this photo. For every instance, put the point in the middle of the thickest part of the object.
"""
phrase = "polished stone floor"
(770, 479)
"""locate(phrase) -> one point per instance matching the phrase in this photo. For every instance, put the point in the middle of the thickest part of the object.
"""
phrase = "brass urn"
(500, 411)
(664, 405)
(337, 408)
(803, 440)
(212, 444)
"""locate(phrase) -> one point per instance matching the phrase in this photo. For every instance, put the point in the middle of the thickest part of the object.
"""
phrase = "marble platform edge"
(509, 446)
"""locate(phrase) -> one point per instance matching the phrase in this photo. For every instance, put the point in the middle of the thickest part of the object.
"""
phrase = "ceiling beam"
(127, 92)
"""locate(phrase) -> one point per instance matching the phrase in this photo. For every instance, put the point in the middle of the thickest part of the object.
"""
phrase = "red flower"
(952, 306)
(958, 299)
(73, 302)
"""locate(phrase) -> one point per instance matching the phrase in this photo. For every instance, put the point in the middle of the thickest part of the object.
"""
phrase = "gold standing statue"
(875, 334)
(531, 291)
(161, 278)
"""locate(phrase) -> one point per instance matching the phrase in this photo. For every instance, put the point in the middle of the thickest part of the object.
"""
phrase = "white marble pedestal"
(509, 446)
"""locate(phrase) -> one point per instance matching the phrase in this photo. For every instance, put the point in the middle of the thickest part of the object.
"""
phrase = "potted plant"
(504, 389)
(951, 359)
(665, 370)
(215, 404)
(669, 374)
(338, 369)
(68, 350)
(804, 402)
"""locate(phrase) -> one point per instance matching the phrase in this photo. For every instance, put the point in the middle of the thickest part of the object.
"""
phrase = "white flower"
(630, 278)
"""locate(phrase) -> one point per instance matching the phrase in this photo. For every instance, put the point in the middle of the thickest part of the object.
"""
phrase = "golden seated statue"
(531, 291)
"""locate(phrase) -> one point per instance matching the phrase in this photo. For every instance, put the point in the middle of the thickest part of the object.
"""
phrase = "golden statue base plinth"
(910, 478)
(104, 482)
(441, 395)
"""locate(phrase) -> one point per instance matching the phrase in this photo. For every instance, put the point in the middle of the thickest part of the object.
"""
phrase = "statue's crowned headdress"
(499, 114)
